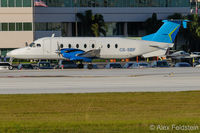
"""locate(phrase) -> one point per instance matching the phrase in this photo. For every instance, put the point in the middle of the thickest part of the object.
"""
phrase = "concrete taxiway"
(100, 80)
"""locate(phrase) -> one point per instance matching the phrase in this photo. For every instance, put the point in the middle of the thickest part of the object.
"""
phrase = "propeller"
(58, 51)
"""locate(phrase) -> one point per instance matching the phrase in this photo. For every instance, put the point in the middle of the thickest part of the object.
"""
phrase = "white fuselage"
(110, 47)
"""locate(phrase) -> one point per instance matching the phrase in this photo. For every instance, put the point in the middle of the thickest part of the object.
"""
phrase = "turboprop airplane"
(88, 48)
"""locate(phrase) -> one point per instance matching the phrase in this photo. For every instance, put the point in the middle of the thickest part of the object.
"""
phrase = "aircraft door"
(47, 48)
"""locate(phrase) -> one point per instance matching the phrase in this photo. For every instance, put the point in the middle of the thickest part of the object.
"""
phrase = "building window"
(47, 26)
(15, 3)
(115, 29)
(11, 26)
(77, 45)
(18, 3)
(4, 3)
(40, 27)
(108, 46)
(11, 3)
(27, 26)
(93, 45)
(85, 45)
(18, 26)
(26, 3)
(69, 46)
(4, 26)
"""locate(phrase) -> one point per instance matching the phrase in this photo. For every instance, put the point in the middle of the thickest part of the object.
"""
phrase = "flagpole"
(196, 7)
(33, 25)
(76, 23)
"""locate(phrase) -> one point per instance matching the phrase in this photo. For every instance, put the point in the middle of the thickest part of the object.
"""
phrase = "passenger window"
(108, 45)
(116, 45)
(61, 45)
(93, 45)
(38, 45)
(69, 46)
(85, 45)
(77, 45)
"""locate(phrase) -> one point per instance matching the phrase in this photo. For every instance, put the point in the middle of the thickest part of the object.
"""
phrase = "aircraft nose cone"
(9, 54)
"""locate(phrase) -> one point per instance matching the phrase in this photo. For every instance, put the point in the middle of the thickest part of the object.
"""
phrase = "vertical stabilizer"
(167, 32)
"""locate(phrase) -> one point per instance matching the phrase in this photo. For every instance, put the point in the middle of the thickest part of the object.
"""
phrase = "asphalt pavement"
(99, 80)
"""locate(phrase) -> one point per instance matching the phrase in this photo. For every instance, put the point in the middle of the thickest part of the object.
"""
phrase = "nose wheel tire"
(90, 66)
(10, 67)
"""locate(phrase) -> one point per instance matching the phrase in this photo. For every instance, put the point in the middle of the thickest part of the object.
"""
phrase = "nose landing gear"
(10, 62)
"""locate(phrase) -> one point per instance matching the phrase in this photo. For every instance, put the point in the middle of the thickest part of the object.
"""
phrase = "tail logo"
(171, 34)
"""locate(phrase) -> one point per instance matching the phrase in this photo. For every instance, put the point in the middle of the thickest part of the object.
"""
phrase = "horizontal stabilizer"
(159, 53)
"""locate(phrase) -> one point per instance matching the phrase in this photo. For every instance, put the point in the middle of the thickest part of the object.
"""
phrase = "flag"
(40, 3)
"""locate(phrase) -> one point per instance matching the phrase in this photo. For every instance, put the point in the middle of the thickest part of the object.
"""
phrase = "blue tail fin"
(167, 32)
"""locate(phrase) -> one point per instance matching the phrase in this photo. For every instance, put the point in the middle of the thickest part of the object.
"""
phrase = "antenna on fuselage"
(53, 35)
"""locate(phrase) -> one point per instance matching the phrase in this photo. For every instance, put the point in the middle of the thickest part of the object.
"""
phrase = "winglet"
(53, 35)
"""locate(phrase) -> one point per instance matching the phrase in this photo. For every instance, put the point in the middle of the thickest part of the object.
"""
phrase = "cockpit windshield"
(32, 45)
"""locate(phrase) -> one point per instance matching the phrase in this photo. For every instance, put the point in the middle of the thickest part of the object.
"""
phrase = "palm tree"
(98, 26)
(92, 25)
(152, 24)
(175, 16)
(86, 21)
(194, 32)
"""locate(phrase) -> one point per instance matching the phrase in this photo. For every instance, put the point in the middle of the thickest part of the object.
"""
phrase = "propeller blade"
(58, 51)
(58, 46)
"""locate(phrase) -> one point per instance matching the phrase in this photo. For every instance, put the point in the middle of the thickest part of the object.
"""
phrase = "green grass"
(98, 113)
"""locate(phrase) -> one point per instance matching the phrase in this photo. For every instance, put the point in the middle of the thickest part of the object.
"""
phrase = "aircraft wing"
(160, 53)
(79, 55)
(91, 54)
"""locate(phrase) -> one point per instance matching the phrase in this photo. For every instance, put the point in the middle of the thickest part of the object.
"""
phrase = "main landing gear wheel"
(80, 66)
(90, 66)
